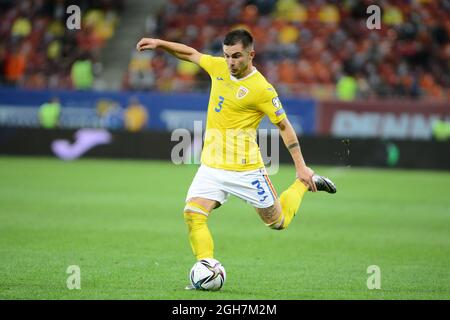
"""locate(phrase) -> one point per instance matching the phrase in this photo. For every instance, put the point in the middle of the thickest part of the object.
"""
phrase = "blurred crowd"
(38, 50)
(319, 48)
(315, 48)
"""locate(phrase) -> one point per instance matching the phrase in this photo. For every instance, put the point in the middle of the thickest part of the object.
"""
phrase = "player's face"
(239, 59)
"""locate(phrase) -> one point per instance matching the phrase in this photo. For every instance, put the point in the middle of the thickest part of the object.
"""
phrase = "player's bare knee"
(278, 224)
(272, 217)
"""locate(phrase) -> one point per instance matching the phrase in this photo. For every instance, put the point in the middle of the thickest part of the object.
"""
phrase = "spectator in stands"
(347, 88)
(21, 28)
(136, 116)
(441, 130)
(15, 64)
(141, 76)
(82, 73)
(49, 113)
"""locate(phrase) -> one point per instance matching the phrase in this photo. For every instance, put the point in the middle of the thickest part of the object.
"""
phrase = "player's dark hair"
(238, 35)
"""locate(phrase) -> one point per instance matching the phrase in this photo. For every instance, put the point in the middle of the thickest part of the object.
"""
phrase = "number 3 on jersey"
(219, 105)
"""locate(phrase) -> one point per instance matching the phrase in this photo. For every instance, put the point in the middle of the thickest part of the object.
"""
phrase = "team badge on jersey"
(242, 92)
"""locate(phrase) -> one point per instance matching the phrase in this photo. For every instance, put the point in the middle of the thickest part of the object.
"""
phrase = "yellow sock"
(290, 201)
(199, 236)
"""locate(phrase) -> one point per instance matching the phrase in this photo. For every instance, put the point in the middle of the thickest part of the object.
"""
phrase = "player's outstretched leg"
(291, 199)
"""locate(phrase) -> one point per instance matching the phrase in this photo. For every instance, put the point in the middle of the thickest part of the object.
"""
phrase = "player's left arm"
(271, 105)
(304, 173)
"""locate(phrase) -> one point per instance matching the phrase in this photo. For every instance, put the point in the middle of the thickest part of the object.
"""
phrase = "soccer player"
(231, 162)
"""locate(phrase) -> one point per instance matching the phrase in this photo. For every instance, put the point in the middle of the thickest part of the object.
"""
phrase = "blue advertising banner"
(95, 109)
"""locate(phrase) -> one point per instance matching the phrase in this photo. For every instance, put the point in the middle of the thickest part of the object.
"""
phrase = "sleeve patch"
(276, 103)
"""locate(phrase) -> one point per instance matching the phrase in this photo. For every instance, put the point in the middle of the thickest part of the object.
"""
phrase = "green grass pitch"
(121, 223)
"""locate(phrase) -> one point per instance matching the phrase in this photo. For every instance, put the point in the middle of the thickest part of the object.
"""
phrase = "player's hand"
(147, 44)
(305, 175)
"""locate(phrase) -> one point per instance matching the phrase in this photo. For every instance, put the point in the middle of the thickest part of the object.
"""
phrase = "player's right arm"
(178, 50)
(304, 173)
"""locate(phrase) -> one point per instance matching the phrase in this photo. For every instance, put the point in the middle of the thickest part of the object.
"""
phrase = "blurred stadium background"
(357, 97)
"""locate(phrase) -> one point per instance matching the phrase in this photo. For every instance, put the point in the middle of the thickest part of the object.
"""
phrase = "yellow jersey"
(235, 110)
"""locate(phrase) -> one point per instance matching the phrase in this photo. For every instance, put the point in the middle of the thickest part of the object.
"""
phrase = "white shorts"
(252, 186)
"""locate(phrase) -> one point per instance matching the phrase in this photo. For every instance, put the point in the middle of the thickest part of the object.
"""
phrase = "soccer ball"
(208, 274)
